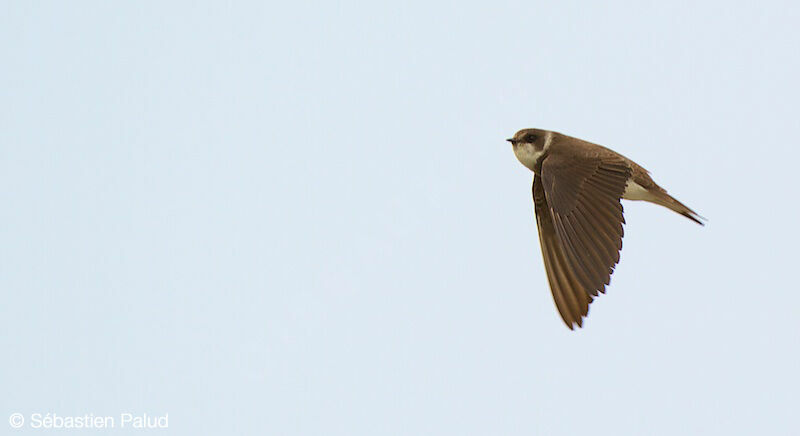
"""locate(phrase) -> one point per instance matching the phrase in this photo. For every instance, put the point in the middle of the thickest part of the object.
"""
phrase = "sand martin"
(577, 188)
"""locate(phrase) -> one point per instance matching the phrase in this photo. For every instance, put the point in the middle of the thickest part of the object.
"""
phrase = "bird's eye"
(531, 138)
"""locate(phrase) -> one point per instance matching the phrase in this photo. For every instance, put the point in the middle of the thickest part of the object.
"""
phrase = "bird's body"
(577, 189)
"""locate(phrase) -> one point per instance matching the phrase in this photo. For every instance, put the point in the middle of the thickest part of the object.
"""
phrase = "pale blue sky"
(302, 218)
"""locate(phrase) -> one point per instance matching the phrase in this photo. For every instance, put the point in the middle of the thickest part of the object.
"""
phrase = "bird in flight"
(577, 188)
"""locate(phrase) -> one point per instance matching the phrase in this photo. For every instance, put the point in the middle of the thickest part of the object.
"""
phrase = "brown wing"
(579, 216)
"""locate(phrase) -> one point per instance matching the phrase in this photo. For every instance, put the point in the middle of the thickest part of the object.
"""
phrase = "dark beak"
(511, 140)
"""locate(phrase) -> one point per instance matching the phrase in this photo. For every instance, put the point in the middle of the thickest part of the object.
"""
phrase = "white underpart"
(635, 191)
(528, 156)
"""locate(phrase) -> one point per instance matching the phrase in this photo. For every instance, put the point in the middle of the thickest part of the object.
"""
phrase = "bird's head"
(529, 145)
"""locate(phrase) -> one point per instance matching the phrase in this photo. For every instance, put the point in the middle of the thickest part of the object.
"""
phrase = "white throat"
(528, 156)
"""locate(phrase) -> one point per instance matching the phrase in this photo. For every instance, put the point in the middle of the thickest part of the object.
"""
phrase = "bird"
(577, 191)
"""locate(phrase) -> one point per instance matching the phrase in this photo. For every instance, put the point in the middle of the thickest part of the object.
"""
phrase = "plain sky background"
(294, 218)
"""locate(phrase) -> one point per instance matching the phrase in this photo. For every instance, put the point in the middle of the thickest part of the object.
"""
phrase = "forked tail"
(670, 202)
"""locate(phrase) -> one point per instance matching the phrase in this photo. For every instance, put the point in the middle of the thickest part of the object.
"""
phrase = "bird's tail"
(668, 201)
